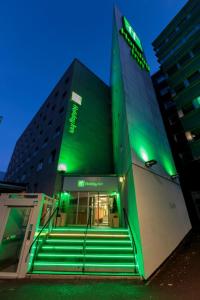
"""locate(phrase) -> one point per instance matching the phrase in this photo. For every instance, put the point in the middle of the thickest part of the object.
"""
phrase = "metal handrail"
(85, 237)
(129, 227)
(45, 225)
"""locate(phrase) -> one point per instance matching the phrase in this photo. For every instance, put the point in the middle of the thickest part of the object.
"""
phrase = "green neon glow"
(73, 118)
(100, 265)
(90, 229)
(88, 241)
(196, 102)
(132, 33)
(87, 248)
(86, 255)
(134, 43)
(88, 273)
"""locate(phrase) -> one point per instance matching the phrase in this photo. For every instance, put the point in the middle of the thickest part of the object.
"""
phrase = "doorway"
(92, 208)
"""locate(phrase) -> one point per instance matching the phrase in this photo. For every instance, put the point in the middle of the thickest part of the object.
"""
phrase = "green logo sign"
(73, 118)
(134, 42)
(77, 101)
(127, 27)
(84, 183)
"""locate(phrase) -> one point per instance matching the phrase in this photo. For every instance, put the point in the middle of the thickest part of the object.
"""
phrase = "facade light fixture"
(174, 176)
(62, 167)
(121, 179)
(150, 163)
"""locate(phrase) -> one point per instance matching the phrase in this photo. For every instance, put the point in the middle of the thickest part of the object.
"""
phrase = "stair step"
(132, 274)
(89, 236)
(88, 267)
(95, 258)
(81, 241)
(89, 249)
(107, 251)
(83, 229)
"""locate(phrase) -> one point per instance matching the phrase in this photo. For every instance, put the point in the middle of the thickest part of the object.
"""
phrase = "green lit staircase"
(104, 251)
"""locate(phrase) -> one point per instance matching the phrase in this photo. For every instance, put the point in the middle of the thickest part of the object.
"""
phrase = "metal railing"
(130, 230)
(36, 240)
(89, 223)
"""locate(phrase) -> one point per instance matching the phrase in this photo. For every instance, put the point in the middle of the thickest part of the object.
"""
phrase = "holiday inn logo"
(84, 183)
(77, 99)
(134, 43)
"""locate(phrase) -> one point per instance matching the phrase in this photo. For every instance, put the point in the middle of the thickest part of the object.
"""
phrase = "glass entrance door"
(84, 206)
(13, 238)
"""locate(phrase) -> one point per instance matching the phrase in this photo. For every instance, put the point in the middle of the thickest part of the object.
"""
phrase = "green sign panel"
(127, 27)
(77, 101)
(134, 43)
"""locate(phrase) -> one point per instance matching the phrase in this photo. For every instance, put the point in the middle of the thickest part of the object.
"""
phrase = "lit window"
(188, 135)
(180, 113)
(196, 102)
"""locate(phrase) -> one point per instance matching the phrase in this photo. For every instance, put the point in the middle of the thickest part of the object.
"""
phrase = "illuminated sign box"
(77, 99)
(134, 43)
(96, 184)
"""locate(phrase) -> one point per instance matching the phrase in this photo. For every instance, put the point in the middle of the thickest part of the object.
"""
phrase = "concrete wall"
(156, 208)
(163, 217)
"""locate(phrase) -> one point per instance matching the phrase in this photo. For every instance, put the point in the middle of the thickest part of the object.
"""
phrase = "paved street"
(178, 279)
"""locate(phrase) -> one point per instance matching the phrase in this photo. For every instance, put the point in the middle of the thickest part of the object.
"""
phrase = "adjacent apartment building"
(177, 85)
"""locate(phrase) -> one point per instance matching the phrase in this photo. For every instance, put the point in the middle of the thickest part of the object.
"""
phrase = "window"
(196, 49)
(193, 135)
(61, 110)
(172, 70)
(57, 131)
(179, 88)
(40, 165)
(64, 94)
(196, 102)
(67, 80)
(23, 177)
(56, 94)
(180, 113)
(187, 108)
(164, 91)
(50, 123)
(41, 132)
(52, 156)
(184, 59)
(193, 77)
(161, 78)
(53, 107)
(36, 150)
(45, 142)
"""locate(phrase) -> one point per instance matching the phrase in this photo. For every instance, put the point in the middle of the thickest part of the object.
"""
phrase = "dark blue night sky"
(40, 38)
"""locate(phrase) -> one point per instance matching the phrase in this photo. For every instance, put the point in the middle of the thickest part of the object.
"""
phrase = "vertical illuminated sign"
(134, 43)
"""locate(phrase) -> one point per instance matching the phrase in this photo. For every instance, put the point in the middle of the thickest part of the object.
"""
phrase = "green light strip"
(92, 229)
(88, 235)
(100, 265)
(88, 241)
(87, 273)
(87, 248)
(82, 255)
